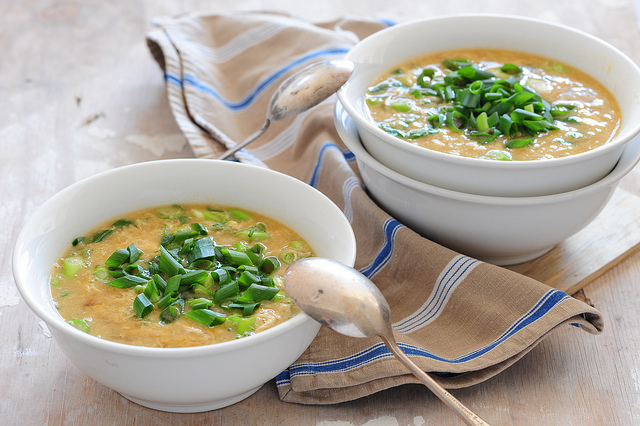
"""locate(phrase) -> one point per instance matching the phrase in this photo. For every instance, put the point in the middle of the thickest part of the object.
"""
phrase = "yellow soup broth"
(418, 107)
(84, 297)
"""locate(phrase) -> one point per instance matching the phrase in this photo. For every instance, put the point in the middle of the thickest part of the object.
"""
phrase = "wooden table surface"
(80, 94)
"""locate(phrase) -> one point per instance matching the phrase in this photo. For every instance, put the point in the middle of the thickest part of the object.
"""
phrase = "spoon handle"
(228, 153)
(463, 412)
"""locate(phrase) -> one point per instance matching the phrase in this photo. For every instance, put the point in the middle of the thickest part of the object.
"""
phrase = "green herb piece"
(206, 317)
(236, 258)
(510, 69)
(142, 306)
(151, 291)
(214, 215)
(244, 326)
(172, 312)
(227, 292)
(173, 212)
(201, 249)
(518, 143)
(121, 223)
(200, 303)
(101, 273)
(257, 293)
(117, 258)
(269, 265)
(128, 281)
(497, 155)
(247, 308)
(71, 265)
(100, 236)
(169, 264)
(239, 215)
(79, 324)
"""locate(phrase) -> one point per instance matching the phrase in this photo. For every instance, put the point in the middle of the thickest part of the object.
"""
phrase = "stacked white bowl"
(500, 212)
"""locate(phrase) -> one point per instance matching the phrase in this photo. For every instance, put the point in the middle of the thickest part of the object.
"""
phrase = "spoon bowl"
(299, 93)
(346, 301)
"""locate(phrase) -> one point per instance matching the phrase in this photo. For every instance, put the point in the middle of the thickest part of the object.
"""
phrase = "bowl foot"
(195, 408)
(513, 260)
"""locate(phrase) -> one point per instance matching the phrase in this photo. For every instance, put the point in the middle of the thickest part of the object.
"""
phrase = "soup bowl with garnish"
(493, 105)
(163, 280)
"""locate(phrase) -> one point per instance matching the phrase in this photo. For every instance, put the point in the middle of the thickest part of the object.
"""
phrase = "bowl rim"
(346, 127)
(58, 323)
(342, 94)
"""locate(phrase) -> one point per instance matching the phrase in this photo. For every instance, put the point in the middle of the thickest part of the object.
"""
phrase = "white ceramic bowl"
(499, 230)
(385, 49)
(210, 376)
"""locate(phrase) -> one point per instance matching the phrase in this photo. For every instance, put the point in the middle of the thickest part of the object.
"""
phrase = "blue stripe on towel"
(455, 272)
(193, 80)
(390, 229)
(378, 351)
(315, 174)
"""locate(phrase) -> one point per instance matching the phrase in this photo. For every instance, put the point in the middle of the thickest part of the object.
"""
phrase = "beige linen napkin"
(460, 319)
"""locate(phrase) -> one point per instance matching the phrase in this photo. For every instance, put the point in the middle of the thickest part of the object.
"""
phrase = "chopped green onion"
(167, 300)
(246, 278)
(172, 312)
(151, 291)
(206, 317)
(169, 264)
(510, 69)
(247, 308)
(200, 303)
(201, 249)
(235, 257)
(160, 283)
(121, 223)
(227, 292)
(201, 291)
(142, 306)
(72, 265)
(194, 276)
(101, 273)
(221, 276)
(79, 324)
(117, 258)
(269, 265)
(497, 155)
(239, 215)
(128, 281)
(257, 293)
(244, 326)
(100, 236)
(173, 212)
(288, 256)
(518, 143)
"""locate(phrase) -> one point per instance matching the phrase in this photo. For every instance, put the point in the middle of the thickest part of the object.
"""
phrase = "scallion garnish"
(206, 317)
(193, 276)
(79, 324)
(142, 306)
(476, 102)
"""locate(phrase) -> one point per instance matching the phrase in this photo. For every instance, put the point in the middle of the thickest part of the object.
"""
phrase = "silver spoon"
(300, 92)
(348, 302)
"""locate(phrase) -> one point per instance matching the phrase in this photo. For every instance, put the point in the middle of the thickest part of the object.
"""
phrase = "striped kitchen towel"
(460, 319)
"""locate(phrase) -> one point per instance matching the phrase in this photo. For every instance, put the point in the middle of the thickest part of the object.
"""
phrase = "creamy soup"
(493, 104)
(175, 276)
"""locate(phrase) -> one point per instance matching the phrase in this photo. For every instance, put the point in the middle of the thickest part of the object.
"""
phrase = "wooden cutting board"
(612, 237)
